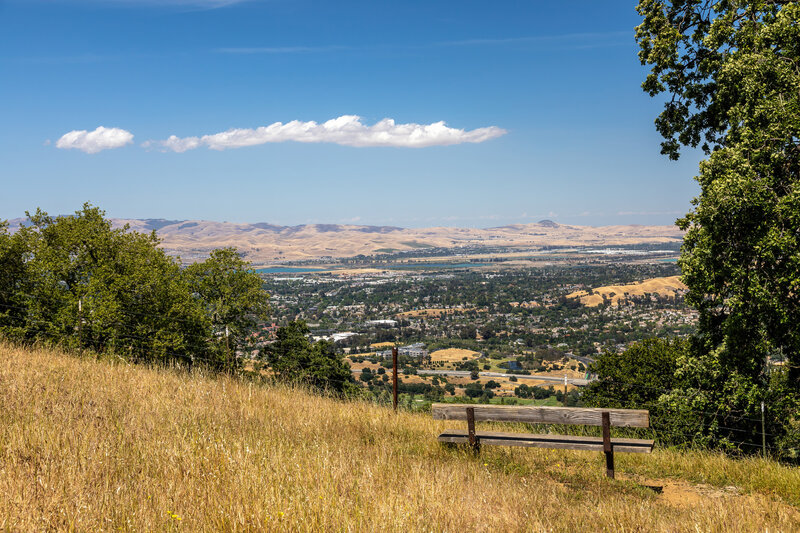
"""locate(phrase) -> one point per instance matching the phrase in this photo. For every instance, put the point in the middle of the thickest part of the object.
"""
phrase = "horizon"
(413, 115)
(168, 221)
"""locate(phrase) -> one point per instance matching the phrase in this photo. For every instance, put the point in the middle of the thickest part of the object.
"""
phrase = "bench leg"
(473, 439)
(607, 448)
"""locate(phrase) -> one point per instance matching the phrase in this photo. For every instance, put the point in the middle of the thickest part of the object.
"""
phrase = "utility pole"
(763, 433)
(227, 344)
(394, 377)
(80, 322)
(565, 390)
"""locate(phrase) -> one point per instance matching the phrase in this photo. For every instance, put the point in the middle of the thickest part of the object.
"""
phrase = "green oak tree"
(730, 71)
(294, 358)
(231, 294)
(84, 284)
(14, 283)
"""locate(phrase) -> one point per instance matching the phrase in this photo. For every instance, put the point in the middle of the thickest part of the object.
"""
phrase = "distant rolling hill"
(264, 243)
(669, 286)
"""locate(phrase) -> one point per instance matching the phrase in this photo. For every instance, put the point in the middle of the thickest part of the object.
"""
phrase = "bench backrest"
(584, 416)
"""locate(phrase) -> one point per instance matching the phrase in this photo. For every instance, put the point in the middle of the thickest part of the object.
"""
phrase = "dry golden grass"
(379, 345)
(668, 286)
(436, 312)
(94, 446)
(453, 355)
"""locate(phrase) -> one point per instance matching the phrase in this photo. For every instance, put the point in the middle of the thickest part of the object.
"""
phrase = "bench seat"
(568, 442)
(531, 414)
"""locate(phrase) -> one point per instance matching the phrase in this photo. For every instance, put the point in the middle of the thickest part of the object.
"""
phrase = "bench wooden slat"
(569, 442)
(543, 415)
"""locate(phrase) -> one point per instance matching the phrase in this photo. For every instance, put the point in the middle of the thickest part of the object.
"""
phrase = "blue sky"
(543, 111)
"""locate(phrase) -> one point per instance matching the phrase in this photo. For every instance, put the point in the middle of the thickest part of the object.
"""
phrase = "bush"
(526, 391)
(294, 358)
(474, 390)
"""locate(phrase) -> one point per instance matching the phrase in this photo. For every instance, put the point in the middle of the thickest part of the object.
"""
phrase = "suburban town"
(459, 326)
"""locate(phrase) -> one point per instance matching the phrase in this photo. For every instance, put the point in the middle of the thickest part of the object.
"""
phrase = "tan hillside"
(265, 244)
(97, 446)
(453, 355)
(436, 312)
(668, 286)
(382, 345)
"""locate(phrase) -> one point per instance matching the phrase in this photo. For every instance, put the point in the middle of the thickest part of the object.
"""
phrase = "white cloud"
(347, 130)
(174, 144)
(92, 142)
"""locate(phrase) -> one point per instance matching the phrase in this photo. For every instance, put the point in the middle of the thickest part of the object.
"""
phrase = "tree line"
(78, 282)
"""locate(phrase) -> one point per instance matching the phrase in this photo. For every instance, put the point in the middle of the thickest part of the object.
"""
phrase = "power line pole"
(80, 322)
(565, 390)
(763, 433)
(394, 377)
(227, 345)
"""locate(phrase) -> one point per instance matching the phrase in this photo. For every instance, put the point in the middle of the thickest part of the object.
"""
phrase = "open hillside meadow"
(90, 445)
(667, 287)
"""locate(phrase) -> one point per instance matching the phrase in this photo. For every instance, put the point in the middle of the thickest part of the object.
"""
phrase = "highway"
(465, 374)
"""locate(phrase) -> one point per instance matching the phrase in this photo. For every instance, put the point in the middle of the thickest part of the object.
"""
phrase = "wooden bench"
(546, 415)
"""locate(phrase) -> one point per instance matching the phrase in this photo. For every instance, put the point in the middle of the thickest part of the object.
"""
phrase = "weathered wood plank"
(607, 446)
(473, 440)
(569, 442)
(543, 415)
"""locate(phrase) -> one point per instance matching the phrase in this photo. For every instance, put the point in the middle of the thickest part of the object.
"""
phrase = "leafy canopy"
(294, 358)
(731, 71)
(78, 281)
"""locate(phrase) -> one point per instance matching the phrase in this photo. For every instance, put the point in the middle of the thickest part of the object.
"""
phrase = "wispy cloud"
(574, 37)
(566, 40)
(648, 213)
(201, 4)
(95, 141)
(347, 130)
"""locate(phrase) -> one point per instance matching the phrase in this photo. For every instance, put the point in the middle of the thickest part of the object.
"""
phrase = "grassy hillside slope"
(669, 286)
(93, 446)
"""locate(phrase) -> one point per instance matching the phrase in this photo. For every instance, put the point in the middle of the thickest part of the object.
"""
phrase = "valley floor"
(94, 445)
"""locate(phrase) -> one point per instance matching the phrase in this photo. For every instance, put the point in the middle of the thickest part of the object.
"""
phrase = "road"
(585, 359)
(465, 374)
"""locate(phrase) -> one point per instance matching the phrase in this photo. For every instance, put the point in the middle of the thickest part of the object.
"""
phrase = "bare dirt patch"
(681, 494)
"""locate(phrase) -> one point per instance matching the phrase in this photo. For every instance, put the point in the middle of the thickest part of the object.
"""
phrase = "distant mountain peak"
(158, 223)
(548, 223)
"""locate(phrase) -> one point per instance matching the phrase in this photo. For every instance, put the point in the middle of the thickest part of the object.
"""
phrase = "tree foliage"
(636, 377)
(231, 295)
(731, 72)
(641, 377)
(78, 281)
(294, 358)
